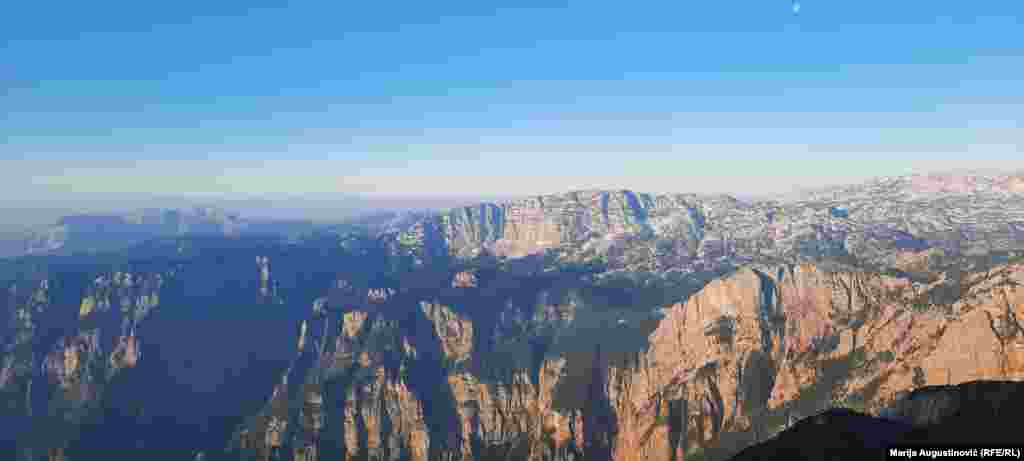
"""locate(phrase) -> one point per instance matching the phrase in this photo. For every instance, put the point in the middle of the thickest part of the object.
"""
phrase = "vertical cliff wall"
(729, 367)
(550, 221)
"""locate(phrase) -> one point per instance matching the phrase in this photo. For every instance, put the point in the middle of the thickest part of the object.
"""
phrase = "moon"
(796, 8)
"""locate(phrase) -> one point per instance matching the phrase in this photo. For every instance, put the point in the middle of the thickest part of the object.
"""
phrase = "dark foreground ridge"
(969, 415)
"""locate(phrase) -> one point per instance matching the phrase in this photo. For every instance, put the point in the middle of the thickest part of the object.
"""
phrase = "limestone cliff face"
(725, 369)
(881, 224)
(454, 332)
(758, 346)
(110, 309)
(464, 279)
(498, 361)
(532, 225)
(346, 389)
(414, 386)
(57, 368)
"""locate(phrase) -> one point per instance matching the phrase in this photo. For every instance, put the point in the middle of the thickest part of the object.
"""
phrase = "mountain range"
(596, 325)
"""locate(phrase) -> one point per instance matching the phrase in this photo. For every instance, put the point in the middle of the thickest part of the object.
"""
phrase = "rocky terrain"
(593, 325)
(874, 223)
(733, 365)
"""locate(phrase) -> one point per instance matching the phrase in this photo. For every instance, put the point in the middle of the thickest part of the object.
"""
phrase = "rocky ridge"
(375, 347)
(726, 369)
(874, 223)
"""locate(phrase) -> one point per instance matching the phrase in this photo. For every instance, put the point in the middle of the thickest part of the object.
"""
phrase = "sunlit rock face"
(125, 354)
(263, 266)
(355, 396)
(65, 365)
(455, 332)
(758, 346)
(464, 279)
(865, 223)
(67, 338)
(302, 335)
(723, 370)
(532, 225)
(379, 295)
(543, 358)
(105, 342)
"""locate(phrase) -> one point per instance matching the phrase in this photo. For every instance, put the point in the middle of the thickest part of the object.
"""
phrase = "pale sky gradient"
(468, 98)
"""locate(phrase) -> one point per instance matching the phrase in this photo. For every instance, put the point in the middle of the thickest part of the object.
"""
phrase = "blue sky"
(464, 97)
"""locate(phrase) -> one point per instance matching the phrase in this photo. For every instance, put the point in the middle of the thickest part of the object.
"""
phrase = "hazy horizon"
(242, 100)
(317, 321)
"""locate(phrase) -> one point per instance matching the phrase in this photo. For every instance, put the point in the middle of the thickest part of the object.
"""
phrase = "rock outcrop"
(77, 356)
(767, 313)
(464, 279)
(731, 366)
(870, 223)
(266, 284)
(533, 225)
